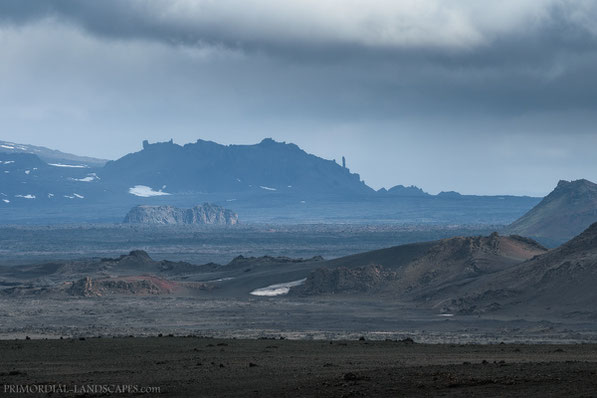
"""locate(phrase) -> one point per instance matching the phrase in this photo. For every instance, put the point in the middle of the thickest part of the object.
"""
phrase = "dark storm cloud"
(330, 75)
(529, 55)
(390, 28)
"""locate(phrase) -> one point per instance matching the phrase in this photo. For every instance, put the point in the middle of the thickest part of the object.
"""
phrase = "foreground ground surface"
(338, 318)
(199, 366)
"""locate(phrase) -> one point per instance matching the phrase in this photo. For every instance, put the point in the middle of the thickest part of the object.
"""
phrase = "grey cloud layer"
(395, 75)
(391, 24)
(527, 49)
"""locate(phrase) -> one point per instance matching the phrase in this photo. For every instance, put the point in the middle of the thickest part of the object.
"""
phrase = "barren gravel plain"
(208, 367)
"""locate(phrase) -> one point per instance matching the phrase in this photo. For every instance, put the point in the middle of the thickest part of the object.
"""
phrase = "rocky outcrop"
(206, 214)
(83, 287)
(401, 190)
(132, 286)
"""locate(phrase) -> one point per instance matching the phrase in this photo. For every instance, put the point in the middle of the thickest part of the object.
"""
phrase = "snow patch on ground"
(74, 196)
(267, 188)
(90, 177)
(74, 166)
(29, 196)
(145, 192)
(7, 146)
(220, 280)
(278, 289)
(27, 172)
(7, 162)
(6, 200)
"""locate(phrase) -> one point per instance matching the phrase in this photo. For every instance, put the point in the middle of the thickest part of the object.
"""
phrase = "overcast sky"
(485, 97)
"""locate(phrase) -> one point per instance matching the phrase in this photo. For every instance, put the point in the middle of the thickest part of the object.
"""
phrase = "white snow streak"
(277, 289)
(145, 192)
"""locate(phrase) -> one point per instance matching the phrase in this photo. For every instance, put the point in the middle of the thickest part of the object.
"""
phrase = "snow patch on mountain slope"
(145, 191)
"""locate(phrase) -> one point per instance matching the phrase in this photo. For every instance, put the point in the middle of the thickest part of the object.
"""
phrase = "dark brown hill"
(455, 259)
(135, 263)
(414, 268)
(567, 211)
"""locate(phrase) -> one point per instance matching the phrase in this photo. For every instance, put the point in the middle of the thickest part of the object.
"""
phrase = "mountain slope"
(26, 179)
(567, 211)
(455, 259)
(49, 155)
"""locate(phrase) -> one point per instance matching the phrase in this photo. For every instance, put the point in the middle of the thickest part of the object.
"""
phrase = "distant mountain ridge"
(401, 190)
(205, 166)
(269, 181)
(567, 211)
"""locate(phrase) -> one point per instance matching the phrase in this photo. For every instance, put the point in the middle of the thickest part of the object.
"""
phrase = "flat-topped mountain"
(567, 211)
(205, 214)
(205, 166)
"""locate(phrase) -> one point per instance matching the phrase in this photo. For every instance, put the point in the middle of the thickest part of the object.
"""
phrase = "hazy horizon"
(478, 98)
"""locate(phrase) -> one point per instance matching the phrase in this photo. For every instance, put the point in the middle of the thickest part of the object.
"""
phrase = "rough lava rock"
(342, 280)
(206, 214)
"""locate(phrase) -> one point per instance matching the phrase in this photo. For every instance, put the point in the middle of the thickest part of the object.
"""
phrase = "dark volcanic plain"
(445, 317)
(206, 367)
(20, 244)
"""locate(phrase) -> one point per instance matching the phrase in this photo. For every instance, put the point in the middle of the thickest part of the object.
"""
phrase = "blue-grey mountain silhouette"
(269, 181)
